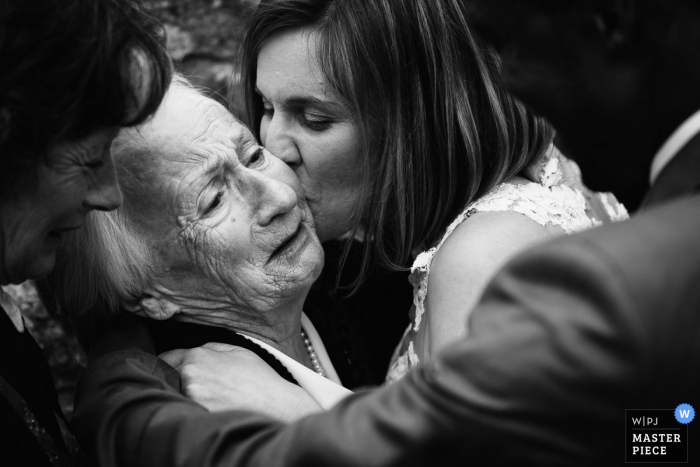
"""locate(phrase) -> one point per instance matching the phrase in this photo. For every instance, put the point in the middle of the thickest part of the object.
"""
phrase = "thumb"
(174, 358)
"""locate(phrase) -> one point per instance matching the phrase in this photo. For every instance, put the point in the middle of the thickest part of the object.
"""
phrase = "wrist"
(300, 407)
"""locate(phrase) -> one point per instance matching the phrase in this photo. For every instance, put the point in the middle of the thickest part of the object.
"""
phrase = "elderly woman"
(75, 72)
(214, 243)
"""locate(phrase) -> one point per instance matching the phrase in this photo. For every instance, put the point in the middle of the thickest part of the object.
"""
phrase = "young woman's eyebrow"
(304, 100)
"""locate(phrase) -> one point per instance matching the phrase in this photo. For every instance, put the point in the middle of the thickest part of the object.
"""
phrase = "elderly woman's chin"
(299, 260)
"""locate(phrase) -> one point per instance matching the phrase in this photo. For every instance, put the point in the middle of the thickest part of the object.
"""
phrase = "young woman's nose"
(103, 193)
(272, 197)
(277, 138)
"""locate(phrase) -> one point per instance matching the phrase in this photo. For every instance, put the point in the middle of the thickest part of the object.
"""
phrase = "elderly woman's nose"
(104, 193)
(273, 198)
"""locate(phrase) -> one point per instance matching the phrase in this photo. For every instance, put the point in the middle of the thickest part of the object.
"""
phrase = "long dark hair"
(69, 67)
(437, 129)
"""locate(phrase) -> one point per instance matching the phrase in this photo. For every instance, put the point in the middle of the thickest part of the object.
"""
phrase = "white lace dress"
(559, 199)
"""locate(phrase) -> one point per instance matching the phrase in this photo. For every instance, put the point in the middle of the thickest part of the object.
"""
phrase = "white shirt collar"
(326, 391)
(12, 309)
(674, 144)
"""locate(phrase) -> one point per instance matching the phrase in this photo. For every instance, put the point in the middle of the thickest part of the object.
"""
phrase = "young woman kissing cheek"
(309, 127)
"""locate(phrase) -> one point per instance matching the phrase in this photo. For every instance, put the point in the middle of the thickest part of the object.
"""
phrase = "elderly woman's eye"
(215, 202)
(256, 158)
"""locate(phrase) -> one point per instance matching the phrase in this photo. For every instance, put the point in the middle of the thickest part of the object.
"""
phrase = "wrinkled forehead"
(192, 121)
(189, 137)
(188, 130)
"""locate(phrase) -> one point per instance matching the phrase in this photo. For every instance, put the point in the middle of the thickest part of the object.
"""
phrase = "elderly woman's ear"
(152, 304)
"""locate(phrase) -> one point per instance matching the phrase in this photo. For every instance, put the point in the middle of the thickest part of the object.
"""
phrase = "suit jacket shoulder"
(654, 260)
(566, 337)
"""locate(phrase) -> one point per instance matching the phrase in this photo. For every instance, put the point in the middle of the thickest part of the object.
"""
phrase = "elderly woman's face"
(225, 215)
(308, 126)
(75, 178)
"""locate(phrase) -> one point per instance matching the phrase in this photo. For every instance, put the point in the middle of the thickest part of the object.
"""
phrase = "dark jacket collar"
(679, 178)
(170, 334)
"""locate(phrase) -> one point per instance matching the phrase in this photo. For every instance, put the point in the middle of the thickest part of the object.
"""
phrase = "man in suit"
(567, 336)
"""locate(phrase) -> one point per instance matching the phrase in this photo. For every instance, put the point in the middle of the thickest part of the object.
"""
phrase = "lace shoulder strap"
(524, 199)
(421, 266)
(558, 205)
(547, 203)
(531, 199)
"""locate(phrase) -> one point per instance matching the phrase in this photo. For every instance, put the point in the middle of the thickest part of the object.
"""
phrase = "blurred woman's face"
(76, 177)
(307, 125)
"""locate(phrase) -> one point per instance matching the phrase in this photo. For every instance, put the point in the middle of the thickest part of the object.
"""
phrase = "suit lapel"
(680, 177)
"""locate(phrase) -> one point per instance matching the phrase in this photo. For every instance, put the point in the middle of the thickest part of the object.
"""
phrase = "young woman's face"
(308, 126)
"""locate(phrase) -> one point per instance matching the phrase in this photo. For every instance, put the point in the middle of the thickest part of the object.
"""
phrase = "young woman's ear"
(152, 304)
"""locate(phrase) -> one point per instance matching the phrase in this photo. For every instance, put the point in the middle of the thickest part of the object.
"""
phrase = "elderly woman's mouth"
(293, 244)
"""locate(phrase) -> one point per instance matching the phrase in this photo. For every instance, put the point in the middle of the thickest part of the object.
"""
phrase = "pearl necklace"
(312, 355)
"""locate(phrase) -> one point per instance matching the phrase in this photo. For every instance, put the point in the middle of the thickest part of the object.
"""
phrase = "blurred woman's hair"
(108, 263)
(437, 129)
(71, 67)
(98, 268)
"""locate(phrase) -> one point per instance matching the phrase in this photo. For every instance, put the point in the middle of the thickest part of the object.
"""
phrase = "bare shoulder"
(487, 236)
(467, 261)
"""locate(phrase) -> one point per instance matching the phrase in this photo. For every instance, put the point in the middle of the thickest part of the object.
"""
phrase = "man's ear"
(615, 20)
(152, 304)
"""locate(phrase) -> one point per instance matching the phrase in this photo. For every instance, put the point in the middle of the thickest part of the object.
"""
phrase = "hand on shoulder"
(224, 377)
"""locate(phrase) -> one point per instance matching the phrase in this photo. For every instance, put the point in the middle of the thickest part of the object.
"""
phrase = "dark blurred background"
(202, 37)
